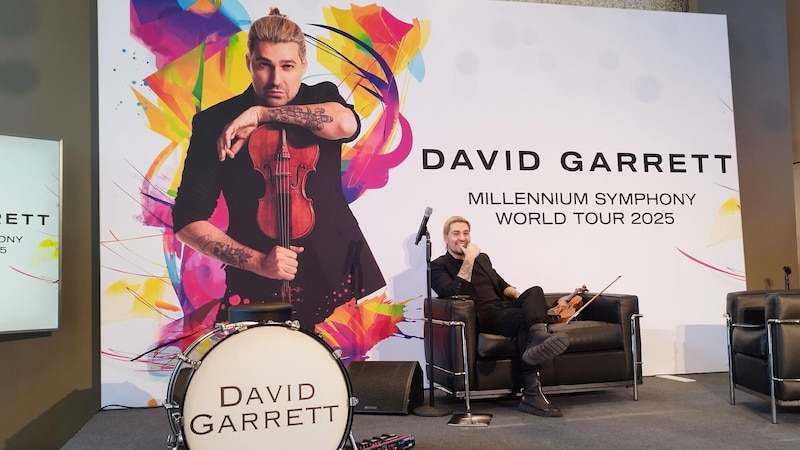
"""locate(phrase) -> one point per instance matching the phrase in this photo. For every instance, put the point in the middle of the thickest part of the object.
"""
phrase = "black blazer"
(446, 283)
(335, 250)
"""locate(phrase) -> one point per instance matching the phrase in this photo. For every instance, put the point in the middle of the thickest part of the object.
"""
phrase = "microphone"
(786, 271)
(424, 225)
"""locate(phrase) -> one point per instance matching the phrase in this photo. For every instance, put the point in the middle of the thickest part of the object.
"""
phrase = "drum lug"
(172, 442)
(175, 441)
(241, 326)
(169, 405)
(337, 354)
(354, 401)
(191, 362)
(228, 328)
(177, 418)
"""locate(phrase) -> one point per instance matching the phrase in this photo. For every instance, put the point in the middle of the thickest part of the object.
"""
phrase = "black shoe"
(538, 405)
(552, 346)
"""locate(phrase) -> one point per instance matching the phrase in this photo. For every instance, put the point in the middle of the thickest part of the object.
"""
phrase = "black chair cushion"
(750, 341)
(495, 346)
(584, 335)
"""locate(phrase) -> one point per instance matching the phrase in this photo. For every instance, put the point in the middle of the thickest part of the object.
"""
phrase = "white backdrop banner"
(582, 143)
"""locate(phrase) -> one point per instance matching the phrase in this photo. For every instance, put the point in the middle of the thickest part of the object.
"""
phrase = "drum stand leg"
(353, 443)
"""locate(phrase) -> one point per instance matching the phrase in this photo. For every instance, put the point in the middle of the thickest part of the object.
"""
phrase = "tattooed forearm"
(236, 257)
(314, 119)
(466, 270)
(226, 253)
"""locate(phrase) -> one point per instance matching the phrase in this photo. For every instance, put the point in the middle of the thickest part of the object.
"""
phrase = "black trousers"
(516, 319)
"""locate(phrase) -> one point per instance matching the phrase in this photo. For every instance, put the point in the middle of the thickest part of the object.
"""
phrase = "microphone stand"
(430, 410)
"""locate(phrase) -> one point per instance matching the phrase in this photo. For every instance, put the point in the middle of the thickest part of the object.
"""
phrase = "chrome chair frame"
(774, 402)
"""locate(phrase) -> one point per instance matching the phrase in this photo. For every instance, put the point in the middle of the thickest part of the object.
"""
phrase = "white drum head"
(269, 386)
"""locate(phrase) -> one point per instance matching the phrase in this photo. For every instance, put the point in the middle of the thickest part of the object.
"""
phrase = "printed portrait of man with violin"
(274, 153)
(501, 309)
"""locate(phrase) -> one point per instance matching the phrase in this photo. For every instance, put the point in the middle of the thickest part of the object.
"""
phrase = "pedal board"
(387, 442)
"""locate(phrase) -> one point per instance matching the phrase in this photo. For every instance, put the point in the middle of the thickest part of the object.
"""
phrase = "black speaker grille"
(386, 387)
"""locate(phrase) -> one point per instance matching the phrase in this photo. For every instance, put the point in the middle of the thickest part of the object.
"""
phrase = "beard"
(457, 249)
(275, 95)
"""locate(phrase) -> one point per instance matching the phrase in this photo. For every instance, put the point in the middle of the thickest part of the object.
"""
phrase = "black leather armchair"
(604, 350)
(764, 346)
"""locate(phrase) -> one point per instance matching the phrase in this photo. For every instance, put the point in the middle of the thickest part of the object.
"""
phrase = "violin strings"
(283, 191)
(285, 218)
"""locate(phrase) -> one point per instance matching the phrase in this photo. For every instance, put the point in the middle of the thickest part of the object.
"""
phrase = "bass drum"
(250, 385)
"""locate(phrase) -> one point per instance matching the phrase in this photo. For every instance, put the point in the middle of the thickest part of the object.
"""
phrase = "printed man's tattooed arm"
(228, 254)
(312, 118)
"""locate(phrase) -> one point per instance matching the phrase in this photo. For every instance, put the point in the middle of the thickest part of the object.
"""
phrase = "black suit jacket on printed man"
(337, 263)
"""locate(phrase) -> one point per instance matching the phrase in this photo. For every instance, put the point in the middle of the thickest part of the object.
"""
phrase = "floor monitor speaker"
(386, 387)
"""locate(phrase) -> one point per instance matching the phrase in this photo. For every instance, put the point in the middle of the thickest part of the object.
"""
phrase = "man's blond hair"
(276, 28)
(452, 220)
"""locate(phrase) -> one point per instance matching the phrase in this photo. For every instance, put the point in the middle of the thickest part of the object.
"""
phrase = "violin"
(284, 212)
(566, 306)
(571, 318)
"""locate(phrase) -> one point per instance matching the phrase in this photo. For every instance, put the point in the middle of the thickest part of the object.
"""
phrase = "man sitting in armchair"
(464, 271)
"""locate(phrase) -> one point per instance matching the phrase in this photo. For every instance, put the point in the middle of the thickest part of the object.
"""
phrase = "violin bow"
(592, 299)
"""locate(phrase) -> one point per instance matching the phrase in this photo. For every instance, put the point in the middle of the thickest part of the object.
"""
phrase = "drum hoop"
(171, 404)
(238, 328)
(218, 328)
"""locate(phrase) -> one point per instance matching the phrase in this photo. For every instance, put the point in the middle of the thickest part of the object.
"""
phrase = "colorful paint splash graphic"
(364, 39)
(727, 226)
(199, 49)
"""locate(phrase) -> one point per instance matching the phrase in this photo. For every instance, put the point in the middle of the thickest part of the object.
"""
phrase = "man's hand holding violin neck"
(280, 263)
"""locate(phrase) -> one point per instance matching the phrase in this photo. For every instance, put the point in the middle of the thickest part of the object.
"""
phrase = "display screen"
(30, 224)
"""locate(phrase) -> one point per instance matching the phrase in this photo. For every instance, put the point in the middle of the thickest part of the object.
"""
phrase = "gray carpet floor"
(668, 415)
